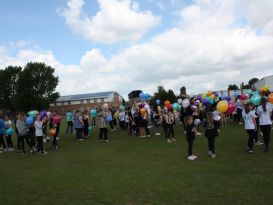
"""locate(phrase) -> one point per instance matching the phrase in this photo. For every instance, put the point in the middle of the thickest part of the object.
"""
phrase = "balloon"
(52, 132)
(216, 94)
(179, 107)
(57, 119)
(228, 98)
(262, 90)
(211, 102)
(94, 112)
(158, 108)
(196, 104)
(29, 121)
(243, 97)
(109, 118)
(204, 95)
(197, 122)
(255, 99)
(185, 103)
(122, 107)
(157, 102)
(175, 106)
(105, 105)
(169, 107)
(198, 97)
(248, 92)
(142, 95)
(270, 98)
(266, 87)
(48, 114)
(9, 131)
(32, 113)
(222, 106)
(205, 102)
(212, 96)
(90, 128)
(223, 97)
(142, 111)
(231, 107)
(179, 101)
(166, 103)
(210, 93)
(43, 114)
(146, 96)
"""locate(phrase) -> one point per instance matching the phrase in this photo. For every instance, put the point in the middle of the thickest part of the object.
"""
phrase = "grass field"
(129, 170)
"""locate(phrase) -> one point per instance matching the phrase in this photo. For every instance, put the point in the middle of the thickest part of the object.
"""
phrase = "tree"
(252, 81)
(164, 95)
(8, 79)
(134, 94)
(233, 87)
(35, 88)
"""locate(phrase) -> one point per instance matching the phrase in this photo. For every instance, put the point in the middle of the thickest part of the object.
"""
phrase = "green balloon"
(90, 128)
(255, 99)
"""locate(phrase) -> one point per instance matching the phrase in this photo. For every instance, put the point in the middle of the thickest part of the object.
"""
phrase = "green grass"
(129, 170)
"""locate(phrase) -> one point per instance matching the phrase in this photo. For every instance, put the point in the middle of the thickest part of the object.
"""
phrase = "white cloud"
(116, 21)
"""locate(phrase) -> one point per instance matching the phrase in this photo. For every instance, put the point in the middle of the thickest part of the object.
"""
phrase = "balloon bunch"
(264, 89)
(144, 96)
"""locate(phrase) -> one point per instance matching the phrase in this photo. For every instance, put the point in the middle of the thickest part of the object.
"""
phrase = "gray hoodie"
(21, 127)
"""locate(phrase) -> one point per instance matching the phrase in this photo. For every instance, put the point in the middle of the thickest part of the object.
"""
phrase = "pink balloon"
(57, 119)
(243, 97)
(231, 107)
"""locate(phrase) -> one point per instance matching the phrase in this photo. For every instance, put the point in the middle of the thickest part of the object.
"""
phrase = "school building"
(86, 101)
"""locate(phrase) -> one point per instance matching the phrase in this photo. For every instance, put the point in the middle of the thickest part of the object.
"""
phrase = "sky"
(124, 45)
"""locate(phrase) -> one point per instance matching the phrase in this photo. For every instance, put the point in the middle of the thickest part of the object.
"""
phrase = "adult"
(69, 120)
(239, 110)
(78, 124)
(265, 112)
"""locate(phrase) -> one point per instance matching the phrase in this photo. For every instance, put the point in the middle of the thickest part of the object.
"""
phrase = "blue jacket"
(2, 125)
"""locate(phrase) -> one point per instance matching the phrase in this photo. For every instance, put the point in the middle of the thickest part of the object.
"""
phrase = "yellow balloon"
(266, 87)
(210, 93)
(204, 95)
(222, 106)
(212, 96)
(159, 108)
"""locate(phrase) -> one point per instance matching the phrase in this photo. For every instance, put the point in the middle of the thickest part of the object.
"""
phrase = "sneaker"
(240, 123)
(106, 140)
(209, 153)
(213, 156)
(81, 139)
(44, 140)
(194, 156)
(5, 149)
(44, 153)
(198, 133)
(250, 152)
(101, 140)
(11, 149)
(174, 140)
(168, 140)
(191, 158)
(185, 132)
(258, 143)
(144, 136)
(156, 134)
(148, 135)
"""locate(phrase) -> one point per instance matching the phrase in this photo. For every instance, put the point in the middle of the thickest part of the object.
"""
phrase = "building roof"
(84, 96)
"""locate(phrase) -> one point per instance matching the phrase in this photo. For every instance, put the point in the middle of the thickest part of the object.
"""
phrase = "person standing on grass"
(165, 120)
(69, 120)
(2, 131)
(8, 124)
(78, 124)
(211, 133)
(157, 121)
(250, 125)
(38, 124)
(239, 106)
(265, 112)
(103, 134)
(190, 133)
(22, 132)
(171, 122)
(85, 124)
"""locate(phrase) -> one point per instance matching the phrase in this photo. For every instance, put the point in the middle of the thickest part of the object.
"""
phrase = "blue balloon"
(29, 120)
(142, 95)
(216, 94)
(211, 101)
(9, 131)
(109, 118)
(94, 113)
(255, 99)
(157, 102)
(146, 96)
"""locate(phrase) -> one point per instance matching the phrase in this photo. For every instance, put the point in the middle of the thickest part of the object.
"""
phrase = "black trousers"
(147, 129)
(190, 145)
(122, 125)
(21, 143)
(2, 141)
(111, 124)
(103, 133)
(239, 115)
(69, 126)
(266, 130)
(9, 141)
(165, 128)
(252, 135)
(40, 146)
(170, 131)
(211, 144)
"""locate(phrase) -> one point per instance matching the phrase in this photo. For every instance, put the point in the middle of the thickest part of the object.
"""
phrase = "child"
(22, 132)
(142, 124)
(170, 122)
(38, 124)
(2, 141)
(216, 118)
(190, 132)
(157, 121)
(122, 120)
(8, 125)
(85, 125)
(103, 134)
(210, 133)
(78, 125)
(265, 112)
(165, 119)
(250, 125)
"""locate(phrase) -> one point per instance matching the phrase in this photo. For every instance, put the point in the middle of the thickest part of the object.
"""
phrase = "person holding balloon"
(250, 125)
(9, 132)
(171, 122)
(157, 121)
(85, 124)
(265, 112)
(239, 107)
(103, 133)
(143, 123)
(190, 133)
(21, 125)
(38, 124)
(211, 133)
(78, 125)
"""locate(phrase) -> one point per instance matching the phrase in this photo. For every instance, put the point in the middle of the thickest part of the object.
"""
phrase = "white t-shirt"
(249, 120)
(264, 117)
(216, 115)
(239, 104)
(122, 116)
(38, 128)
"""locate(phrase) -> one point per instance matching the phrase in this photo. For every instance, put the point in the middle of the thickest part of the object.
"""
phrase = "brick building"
(86, 101)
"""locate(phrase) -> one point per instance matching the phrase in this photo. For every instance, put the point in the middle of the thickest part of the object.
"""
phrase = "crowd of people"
(144, 120)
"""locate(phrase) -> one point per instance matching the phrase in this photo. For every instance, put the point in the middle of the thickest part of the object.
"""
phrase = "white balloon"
(185, 103)
(105, 105)
(197, 122)
(179, 101)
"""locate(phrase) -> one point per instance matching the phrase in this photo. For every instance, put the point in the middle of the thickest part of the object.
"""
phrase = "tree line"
(32, 87)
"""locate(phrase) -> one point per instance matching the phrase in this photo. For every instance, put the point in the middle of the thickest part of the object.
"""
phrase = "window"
(69, 103)
(88, 101)
(62, 103)
(95, 100)
(102, 99)
(81, 101)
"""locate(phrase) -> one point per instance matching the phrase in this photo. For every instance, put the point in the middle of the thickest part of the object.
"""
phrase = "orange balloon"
(167, 103)
(210, 93)
(262, 90)
(270, 98)
(142, 111)
(52, 132)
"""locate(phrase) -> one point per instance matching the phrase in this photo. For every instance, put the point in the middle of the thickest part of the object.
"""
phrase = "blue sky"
(100, 45)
